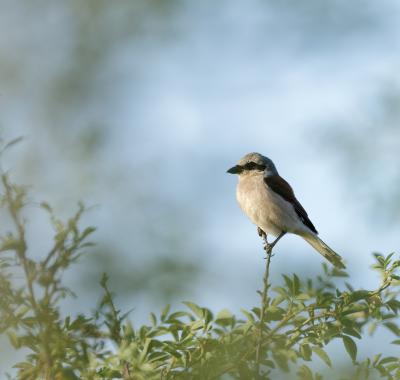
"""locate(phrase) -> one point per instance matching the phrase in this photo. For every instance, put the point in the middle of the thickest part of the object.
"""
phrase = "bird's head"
(253, 163)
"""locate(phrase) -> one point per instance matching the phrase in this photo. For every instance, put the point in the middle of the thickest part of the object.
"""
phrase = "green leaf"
(339, 273)
(14, 340)
(394, 304)
(224, 314)
(165, 312)
(289, 284)
(393, 328)
(323, 355)
(376, 359)
(352, 331)
(281, 291)
(145, 349)
(109, 373)
(358, 295)
(268, 363)
(67, 322)
(172, 318)
(68, 374)
(87, 232)
(303, 297)
(332, 331)
(304, 373)
(249, 316)
(281, 360)
(296, 284)
(207, 315)
(350, 347)
(153, 319)
(224, 317)
(274, 313)
(196, 325)
(197, 310)
(387, 260)
(256, 311)
(305, 352)
(104, 280)
(9, 243)
(389, 359)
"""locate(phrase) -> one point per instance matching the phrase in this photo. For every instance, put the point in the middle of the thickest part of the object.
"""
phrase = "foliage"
(301, 317)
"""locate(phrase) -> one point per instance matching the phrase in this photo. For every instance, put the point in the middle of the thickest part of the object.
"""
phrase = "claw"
(262, 235)
(268, 247)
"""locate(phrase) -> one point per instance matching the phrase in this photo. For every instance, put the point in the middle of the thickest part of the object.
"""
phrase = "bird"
(270, 203)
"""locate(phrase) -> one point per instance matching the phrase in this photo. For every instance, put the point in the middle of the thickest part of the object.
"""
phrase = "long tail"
(324, 250)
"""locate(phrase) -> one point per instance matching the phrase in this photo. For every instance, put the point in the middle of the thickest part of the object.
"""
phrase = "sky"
(139, 109)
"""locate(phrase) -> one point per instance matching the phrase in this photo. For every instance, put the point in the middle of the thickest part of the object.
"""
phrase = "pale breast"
(265, 208)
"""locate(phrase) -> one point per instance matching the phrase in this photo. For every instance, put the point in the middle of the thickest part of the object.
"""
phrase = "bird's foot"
(268, 248)
(261, 233)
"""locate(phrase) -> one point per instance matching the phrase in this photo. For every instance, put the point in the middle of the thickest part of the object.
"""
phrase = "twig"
(264, 304)
(126, 374)
(13, 209)
(115, 328)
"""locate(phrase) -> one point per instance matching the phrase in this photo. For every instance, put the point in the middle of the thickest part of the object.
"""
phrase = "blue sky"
(178, 102)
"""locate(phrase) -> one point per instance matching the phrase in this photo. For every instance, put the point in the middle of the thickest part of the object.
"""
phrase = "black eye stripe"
(253, 166)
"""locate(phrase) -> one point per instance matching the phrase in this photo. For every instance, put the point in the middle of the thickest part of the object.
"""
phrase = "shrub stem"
(264, 304)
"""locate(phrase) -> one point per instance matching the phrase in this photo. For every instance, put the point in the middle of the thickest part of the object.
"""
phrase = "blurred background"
(138, 108)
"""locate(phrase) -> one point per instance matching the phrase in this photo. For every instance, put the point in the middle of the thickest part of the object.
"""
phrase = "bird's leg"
(261, 233)
(272, 245)
(269, 246)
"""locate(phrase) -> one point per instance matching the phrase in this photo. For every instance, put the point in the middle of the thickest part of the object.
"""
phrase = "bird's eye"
(253, 166)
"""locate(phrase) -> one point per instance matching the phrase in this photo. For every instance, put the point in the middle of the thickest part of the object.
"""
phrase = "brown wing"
(282, 188)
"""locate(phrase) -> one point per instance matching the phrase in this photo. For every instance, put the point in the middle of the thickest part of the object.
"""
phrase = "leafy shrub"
(295, 323)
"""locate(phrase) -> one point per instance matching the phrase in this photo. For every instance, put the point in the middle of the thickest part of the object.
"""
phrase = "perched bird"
(269, 201)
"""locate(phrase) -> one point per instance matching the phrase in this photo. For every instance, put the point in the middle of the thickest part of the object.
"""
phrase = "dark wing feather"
(282, 188)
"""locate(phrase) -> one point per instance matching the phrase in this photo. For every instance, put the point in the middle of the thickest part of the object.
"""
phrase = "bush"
(295, 323)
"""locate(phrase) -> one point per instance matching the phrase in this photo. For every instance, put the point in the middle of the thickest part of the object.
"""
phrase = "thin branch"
(264, 304)
(21, 253)
(116, 328)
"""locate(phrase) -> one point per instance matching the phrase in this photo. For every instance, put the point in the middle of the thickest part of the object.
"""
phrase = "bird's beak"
(235, 170)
